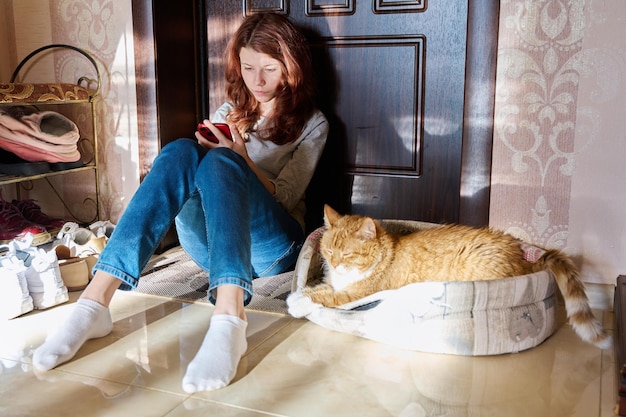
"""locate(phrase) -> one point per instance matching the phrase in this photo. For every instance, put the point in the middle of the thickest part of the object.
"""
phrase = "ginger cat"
(362, 258)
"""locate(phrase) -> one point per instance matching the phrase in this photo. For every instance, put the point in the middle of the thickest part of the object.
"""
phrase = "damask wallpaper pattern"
(559, 142)
(104, 28)
(537, 83)
(551, 79)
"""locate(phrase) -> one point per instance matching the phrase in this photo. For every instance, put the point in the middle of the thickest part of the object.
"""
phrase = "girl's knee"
(182, 150)
(181, 144)
(224, 157)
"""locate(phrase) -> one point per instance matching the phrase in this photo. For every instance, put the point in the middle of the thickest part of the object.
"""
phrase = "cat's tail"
(576, 302)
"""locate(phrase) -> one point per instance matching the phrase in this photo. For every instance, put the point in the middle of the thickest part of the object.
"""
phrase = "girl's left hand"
(237, 143)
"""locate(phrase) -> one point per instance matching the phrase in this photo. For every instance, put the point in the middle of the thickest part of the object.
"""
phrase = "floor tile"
(360, 377)
(152, 347)
(292, 368)
(195, 407)
(57, 393)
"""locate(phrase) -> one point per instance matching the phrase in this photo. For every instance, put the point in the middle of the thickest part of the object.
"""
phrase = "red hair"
(275, 36)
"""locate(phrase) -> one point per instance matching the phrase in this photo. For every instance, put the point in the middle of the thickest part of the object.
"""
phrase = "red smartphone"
(208, 135)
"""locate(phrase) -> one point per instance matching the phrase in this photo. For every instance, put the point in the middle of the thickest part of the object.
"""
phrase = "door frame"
(478, 113)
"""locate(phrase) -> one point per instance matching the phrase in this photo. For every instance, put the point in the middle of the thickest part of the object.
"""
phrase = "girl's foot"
(215, 364)
(89, 320)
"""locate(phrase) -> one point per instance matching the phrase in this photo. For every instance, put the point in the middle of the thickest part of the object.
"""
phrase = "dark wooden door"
(408, 88)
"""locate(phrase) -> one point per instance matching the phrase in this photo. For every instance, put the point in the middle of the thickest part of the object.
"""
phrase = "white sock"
(215, 364)
(89, 320)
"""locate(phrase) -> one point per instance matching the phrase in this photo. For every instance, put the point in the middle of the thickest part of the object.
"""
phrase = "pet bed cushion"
(464, 318)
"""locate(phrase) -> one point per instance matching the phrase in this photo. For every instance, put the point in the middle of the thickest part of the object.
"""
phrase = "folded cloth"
(33, 153)
(48, 126)
(12, 164)
(40, 136)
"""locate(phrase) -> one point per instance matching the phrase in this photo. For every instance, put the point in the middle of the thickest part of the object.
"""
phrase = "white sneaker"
(43, 276)
(102, 228)
(81, 242)
(14, 297)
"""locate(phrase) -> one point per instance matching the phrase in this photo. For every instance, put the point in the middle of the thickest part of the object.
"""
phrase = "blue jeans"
(226, 220)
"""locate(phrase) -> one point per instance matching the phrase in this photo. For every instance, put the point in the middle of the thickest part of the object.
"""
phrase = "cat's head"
(351, 243)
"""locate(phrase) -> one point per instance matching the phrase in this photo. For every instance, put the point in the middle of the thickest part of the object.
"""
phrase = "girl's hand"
(237, 143)
(217, 133)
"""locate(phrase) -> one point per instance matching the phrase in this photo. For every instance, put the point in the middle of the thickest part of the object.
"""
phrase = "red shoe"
(32, 212)
(14, 226)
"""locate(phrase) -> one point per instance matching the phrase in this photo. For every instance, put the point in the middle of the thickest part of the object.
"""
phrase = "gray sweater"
(290, 166)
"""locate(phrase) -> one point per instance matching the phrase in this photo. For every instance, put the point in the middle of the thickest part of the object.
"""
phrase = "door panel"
(396, 148)
(392, 82)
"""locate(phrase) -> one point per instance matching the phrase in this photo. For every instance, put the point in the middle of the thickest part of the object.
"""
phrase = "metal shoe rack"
(83, 93)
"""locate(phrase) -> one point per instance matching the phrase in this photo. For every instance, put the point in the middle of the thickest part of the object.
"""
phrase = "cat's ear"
(330, 216)
(368, 229)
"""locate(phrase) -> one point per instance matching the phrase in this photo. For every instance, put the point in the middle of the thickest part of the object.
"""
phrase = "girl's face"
(262, 75)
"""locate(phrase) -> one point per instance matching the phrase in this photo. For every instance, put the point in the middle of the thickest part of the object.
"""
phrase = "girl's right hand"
(222, 139)
(237, 143)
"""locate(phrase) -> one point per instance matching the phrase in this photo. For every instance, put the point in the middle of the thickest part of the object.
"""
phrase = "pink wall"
(597, 212)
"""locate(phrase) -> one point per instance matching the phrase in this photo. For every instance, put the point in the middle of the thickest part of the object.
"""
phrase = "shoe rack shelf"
(69, 99)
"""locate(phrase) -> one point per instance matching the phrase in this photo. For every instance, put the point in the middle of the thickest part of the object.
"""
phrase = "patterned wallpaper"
(559, 140)
(560, 64)
(104, 28)
(537, 82)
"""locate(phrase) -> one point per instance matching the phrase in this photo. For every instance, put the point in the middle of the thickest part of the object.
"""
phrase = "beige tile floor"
(292, 368)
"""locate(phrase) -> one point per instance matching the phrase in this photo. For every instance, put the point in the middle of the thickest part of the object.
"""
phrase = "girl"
(238, 204)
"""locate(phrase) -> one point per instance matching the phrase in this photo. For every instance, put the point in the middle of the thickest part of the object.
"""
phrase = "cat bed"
(471, 318)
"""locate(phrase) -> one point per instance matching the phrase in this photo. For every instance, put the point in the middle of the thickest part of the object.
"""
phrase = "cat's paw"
(300, 305)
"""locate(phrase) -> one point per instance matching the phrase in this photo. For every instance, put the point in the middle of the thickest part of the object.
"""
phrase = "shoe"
(102, 228)
(32, 212)
(75, 273)
(80, 241)
(14, 226)
(15, 299)
(43, 276)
